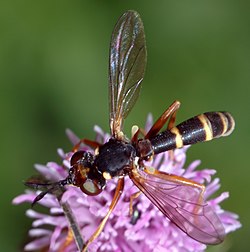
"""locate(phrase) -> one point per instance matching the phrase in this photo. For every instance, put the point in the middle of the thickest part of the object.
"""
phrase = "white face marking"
(89, 186)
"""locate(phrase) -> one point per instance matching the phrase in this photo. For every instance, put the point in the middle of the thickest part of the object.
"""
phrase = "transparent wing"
(127, 64)
(182, 204)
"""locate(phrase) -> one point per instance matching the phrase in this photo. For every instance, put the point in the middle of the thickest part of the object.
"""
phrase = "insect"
(179, 199)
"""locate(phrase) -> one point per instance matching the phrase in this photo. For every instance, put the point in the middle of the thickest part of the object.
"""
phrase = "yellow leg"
(170, 114)
(69, 239)
(93, 144)
(133, 197)
(118, 192)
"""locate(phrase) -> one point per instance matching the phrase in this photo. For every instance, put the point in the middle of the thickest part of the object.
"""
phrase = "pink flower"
(147, 230)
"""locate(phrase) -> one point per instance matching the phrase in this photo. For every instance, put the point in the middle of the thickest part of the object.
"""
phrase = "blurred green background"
(53, 75)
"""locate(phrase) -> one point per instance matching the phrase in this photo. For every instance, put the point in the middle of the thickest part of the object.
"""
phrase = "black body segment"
(223, 123)
(200, 128)
(164, 141)
(114, 156)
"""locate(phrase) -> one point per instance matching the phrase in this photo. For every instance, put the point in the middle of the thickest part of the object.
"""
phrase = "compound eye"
(84, 174)
(76, 157)
(91, 187)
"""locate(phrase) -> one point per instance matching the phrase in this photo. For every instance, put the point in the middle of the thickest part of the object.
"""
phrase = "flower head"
(146, 230)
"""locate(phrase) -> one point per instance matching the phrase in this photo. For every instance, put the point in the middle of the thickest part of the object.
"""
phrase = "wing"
(127, 64)
(182, 204)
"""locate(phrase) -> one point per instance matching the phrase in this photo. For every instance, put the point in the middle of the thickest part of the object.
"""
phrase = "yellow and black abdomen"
(201, 128)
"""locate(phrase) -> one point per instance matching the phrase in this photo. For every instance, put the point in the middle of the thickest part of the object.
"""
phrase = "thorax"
(115, 157)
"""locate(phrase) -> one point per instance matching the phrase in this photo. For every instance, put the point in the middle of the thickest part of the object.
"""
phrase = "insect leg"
(68, 240)
(135, 215)
(170, 114)
(118, 192)
(133, 197)
(93, 144)
(172, 117)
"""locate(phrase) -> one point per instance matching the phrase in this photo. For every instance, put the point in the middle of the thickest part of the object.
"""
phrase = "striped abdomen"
(200, 128)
